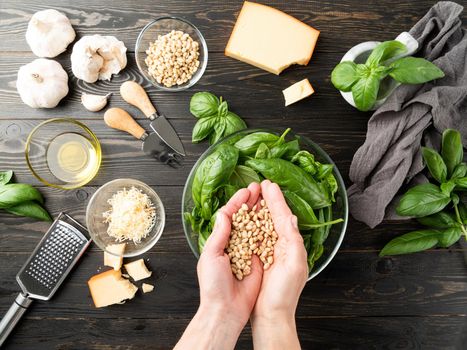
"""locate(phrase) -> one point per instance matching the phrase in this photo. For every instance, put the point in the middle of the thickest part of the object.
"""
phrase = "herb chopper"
(46, 269)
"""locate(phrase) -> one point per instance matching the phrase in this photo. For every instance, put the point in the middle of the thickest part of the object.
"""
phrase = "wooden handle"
(134, 94)
(119, 119)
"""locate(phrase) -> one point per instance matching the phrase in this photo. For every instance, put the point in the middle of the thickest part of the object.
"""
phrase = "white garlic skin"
(42, 83)
(94, 103)
(49, 33)
(97, 57)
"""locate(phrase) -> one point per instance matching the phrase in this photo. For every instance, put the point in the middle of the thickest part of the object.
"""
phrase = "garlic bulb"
(94, 103)
(42, 83)
(98, 57)
(49, 33)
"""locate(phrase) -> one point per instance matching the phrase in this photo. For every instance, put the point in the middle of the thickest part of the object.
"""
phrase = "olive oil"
(72, 158)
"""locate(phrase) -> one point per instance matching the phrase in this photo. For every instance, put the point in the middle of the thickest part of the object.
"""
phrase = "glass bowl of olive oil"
(63, 153)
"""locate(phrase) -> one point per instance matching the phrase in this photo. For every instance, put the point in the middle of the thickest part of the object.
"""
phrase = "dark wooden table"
(359, 301)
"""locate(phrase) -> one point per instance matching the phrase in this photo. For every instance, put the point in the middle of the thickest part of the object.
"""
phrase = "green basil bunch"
(21, 199)
(440, 205)
(215, 119)
(363, 80)
(308, 186)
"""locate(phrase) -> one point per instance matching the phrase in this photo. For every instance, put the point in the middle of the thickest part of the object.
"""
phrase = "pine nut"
(252, 232)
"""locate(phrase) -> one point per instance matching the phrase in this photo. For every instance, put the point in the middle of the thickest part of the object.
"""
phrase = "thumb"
(220, 235)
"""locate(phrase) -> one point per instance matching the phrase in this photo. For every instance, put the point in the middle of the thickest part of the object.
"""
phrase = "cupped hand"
(220, 291)
(283, 282)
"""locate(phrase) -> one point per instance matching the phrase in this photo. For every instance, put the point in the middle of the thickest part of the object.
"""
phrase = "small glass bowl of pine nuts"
(171, 53)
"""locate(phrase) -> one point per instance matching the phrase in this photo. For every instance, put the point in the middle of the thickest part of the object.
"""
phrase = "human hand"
(219, 289)
(274, 313)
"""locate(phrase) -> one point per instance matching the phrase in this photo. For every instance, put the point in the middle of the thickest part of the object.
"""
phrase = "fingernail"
(294, 222)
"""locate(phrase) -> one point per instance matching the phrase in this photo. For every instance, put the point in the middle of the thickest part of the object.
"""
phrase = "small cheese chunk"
(115, 259)
(109, 288)
(270, 39)
(138, 270)
(297, 91)
(147, 288)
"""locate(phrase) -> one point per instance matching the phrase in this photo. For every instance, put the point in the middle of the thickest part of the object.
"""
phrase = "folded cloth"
(391, 156)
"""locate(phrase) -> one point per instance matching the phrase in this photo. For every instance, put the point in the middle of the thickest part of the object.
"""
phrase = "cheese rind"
(297, 91)
(147, 288)
(138, 270)
(270, 39)
(115, 259)
(110, 287)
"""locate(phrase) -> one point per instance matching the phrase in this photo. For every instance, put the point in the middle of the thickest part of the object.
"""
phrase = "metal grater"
(49, 264)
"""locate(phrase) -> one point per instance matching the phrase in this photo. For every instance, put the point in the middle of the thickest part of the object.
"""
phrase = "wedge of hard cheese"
(138, 270)
(297, 91)
(115, 259)
(110, 287)
(270, 39)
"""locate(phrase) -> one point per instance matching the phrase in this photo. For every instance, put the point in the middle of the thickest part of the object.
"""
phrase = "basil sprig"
(440, 205)
(215, 121)
(363, 80)
(21, 199)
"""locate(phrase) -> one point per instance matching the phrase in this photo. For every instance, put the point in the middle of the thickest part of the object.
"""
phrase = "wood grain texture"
(355, 284)
(360, 301)
(339, 333)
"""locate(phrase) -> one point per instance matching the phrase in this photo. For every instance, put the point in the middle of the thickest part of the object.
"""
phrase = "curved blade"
(166, 132)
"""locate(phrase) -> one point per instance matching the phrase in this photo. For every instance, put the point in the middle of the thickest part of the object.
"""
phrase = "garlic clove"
(94, 103)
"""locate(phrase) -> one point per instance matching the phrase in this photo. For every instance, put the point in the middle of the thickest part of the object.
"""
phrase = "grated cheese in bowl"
(131, 215)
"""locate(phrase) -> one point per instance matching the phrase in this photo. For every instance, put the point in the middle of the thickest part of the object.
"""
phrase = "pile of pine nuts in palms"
(252, 233)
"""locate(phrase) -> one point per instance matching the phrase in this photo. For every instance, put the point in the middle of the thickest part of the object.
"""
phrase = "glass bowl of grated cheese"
(125, 211)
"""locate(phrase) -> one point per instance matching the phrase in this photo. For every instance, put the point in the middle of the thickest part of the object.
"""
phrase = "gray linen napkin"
(390, 156)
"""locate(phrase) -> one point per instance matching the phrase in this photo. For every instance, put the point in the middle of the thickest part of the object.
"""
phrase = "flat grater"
(49, 264)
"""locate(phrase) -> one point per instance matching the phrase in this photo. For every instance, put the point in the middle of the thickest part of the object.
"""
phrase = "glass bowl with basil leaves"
(310, 181)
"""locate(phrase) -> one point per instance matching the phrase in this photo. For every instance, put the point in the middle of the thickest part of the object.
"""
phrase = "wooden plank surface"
(360, 301)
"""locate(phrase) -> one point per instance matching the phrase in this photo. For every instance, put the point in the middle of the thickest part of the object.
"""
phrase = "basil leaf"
(14, 194)
(263, 152)
(218, 132)
(306, 161)
(233, 123)
(228, 191)
(5, 177)
(439, 220)
(447, 187)
(455, 199)
(30, 209)
(411, 242)
(385, 51)
(422, 200)
(301, 209)
(459, 171)
(449, 236)
(451, 149)
(344, 76)
(413, 70)
(203, 128)
(293, 178)
(331, 183)
(365, 91)
(286, 151)
(435, 164)
(250, 143)
(461, 183)
(204, 104)
(463, 213)
(242, 176)
(222, 109)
